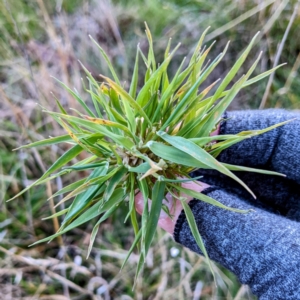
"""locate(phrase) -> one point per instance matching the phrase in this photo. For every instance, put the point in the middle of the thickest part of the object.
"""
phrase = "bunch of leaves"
(146, 140)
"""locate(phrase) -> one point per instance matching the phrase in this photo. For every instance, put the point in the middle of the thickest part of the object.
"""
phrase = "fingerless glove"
(262, 247)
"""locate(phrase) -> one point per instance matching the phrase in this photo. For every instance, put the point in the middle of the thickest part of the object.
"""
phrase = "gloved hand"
(262, 247)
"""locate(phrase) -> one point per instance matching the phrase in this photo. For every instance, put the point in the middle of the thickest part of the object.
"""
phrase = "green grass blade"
(253, 80)
(60, 107)
(77, 97)
(63, 160)
(165, 77)
(115, 101)
(128, 110)
(174, 155)
(143, 186)
(114, 201)
(132, 211)
(139, 268)
(51, 141)
(198, 46)
(85, 167)
(219, 147)
(262, 75)
(113, 182)
(134, 244)
(247, 169)
(105, 56)
(86, 216)
(158, 194)
(127, 143)
(252, 133)
(193, 226)
(109, 123)
(118, 117)
(193, 113)
(167, 94)
(151, 57)
(198, 67)
(106, 215)
(162, 178)
(59, 213)
(62, 110)
(142, 168)
(208, 199)
(117, 196)
(95, 102)
(99, 96)
(205, 140)
(69, 187)
(86, 187)
(134, 80)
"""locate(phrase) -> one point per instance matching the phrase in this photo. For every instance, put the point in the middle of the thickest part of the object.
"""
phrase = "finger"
(167, 221)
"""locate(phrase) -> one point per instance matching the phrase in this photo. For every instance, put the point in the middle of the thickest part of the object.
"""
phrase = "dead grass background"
(39, 39)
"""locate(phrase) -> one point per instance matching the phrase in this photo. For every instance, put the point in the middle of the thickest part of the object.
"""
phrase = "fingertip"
(139, 203)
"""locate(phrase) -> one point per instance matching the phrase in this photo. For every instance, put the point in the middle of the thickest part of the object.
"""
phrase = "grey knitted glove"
(263, 247)
(277, 150)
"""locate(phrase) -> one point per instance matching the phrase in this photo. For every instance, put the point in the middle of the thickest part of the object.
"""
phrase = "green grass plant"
(145, 139)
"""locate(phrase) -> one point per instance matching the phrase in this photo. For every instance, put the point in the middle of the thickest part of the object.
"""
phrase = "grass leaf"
(111, 206)
(113, 182)
(207, 199)
(158, 194)
(201, 155)
(174, 155)
(134, 80)
(83, 199)
(247, 169)
(77, 97)
(63, 160)
(106, 58)
(195, 232)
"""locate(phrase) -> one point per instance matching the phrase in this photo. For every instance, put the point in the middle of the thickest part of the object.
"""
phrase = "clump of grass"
(146, 140)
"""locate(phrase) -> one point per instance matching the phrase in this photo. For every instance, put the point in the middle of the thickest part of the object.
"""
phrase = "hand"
(263, 247)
